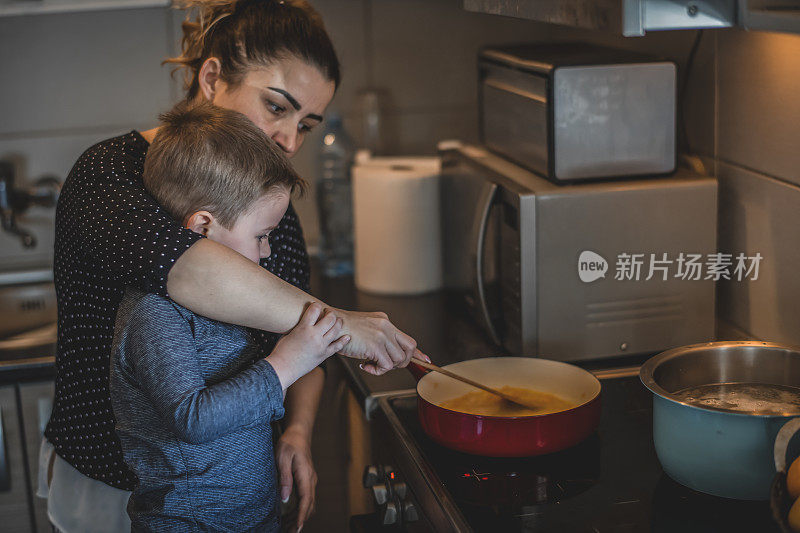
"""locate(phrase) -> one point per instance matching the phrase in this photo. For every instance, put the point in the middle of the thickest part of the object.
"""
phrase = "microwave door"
(484, 257)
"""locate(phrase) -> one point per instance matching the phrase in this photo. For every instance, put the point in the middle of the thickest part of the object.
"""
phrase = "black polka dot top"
(111, 233)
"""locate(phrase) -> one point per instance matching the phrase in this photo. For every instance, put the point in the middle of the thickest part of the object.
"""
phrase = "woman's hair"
(208, 158)
(246, 33)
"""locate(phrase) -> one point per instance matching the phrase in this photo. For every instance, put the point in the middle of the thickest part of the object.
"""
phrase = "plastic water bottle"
(334, 199)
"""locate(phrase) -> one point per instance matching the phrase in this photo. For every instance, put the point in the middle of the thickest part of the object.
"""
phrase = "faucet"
(14, 202)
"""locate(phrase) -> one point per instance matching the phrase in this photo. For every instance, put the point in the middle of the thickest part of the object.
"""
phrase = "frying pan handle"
(782, 442)
(417, 371)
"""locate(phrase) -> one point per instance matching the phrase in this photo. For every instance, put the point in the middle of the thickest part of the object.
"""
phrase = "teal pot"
(724, 445)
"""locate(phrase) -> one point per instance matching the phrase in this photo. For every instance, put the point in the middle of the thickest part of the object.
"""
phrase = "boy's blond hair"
(208, 158)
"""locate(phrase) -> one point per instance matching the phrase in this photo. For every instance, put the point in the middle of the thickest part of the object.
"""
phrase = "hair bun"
(241, 33)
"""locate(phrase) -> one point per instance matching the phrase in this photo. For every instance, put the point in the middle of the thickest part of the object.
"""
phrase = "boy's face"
(250, 234)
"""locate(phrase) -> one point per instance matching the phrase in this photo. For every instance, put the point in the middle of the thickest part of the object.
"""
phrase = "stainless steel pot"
(718, 449)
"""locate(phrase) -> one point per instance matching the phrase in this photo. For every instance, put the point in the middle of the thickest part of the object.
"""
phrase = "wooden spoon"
(503, 395)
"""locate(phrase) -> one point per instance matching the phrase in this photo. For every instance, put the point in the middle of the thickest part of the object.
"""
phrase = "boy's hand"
(315, 338)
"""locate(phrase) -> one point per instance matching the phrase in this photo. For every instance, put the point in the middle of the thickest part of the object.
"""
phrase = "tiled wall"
(62, 90)
(70, 80)
(758, 154)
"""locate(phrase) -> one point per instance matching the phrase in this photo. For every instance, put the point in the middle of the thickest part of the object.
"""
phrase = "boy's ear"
(200, 222)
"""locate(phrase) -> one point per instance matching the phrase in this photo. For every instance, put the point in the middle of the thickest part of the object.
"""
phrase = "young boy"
(193, 398)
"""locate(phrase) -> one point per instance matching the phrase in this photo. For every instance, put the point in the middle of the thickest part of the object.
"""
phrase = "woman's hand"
(376, 340)
(293, 456)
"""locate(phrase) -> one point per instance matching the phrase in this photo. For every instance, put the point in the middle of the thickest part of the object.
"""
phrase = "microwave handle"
(5, 474)
(478, 237)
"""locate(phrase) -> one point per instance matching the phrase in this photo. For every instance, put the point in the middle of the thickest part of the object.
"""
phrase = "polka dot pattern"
(111, 233)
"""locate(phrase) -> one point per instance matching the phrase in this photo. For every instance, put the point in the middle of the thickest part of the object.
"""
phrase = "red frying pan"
(500, 436)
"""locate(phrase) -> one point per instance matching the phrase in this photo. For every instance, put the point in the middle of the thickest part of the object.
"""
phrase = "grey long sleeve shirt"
(193, 414)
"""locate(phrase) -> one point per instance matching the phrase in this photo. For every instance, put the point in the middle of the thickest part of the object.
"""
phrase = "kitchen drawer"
(36, 403)
(27, 307)
(13, 483)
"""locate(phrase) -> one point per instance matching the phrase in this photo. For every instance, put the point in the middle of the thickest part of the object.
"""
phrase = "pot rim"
(649, 367)
(526, 417)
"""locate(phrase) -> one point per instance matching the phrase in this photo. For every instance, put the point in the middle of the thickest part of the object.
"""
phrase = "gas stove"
(610, 483)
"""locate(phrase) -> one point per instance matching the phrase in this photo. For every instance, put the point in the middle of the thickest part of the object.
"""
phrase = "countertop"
(30, 355)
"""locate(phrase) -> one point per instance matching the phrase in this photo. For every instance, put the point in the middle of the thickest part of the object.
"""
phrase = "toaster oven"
(541, 264)
(572, 112)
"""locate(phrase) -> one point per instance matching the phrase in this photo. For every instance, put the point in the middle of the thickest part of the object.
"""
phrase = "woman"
(272, 61)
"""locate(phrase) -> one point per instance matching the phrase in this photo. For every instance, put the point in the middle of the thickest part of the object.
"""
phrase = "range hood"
(626, 17)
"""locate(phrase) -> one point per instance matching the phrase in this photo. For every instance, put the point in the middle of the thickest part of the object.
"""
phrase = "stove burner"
(513, 483)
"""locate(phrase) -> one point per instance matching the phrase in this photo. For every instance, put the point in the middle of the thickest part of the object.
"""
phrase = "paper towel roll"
(396, 224)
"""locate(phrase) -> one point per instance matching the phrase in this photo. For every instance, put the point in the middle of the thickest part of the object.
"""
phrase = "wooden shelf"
(46, 7)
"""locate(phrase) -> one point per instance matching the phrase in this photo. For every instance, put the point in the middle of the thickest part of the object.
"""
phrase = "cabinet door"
(14, 512)
(36, 401)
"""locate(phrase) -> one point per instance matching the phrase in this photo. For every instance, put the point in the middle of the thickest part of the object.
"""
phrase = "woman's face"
(286, 99)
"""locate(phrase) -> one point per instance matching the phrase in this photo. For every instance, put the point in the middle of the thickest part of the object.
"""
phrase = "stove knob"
(380, 493)
(410, 513)
(390, 514)
(400, 489)
(370, 476)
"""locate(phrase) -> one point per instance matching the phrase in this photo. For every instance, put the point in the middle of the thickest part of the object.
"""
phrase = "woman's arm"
(302, 402)
(293, 450)
(214, 281)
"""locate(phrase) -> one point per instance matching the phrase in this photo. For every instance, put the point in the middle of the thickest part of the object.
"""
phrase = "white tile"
(83, 70)
(759, 108)
(759, 214)
(53, 155)
(425, 51)
(414, 133)
(344, 21)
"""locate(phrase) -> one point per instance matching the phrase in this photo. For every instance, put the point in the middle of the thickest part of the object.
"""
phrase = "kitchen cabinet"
(626, 17)
(770, 15)
(14, 485)
(636, 17)
(36, 402)
(24, 411)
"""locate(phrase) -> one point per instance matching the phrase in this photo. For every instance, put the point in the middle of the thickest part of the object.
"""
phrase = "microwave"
(548, 270)
(573, 112)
